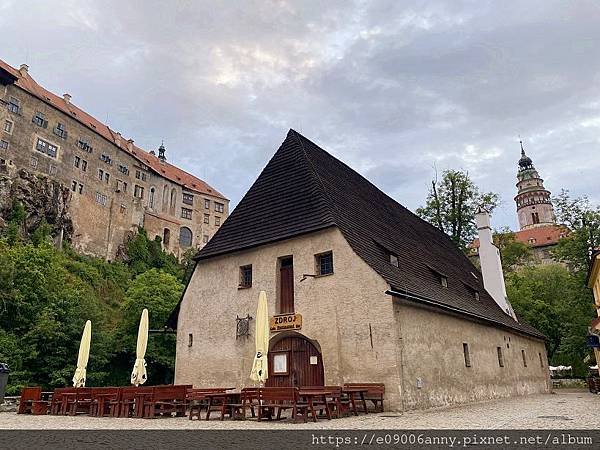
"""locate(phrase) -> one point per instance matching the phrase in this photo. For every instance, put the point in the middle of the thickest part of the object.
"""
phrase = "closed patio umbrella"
(260, 370)
(84, 356)
(139, 376)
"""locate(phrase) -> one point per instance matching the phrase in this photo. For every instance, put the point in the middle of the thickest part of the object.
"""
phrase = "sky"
(396, 89)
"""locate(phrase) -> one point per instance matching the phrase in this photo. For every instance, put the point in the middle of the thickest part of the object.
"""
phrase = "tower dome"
(525, 162)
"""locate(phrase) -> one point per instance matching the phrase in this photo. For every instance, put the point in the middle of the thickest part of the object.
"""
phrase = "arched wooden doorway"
(294, 360)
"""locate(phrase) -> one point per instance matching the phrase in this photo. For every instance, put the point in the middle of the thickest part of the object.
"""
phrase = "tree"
(451, 205)
(551, 299)
(513, 253)
(144, 254)
(583, 221)
(159, 292)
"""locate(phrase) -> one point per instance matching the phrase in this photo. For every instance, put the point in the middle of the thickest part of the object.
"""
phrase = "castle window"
(46, 148)
(40, 120)
(205, 238)
(140, 175)
(166, 237)
(84, 165)
(535, 217)
(206, 218)
(76, 162)
(52, 169)
(324, 263)
(190, 339)
(466, 354)
(206, 204)
(60, 130)
(138, 191)
(8, 126)
(186, 213)
(173, 200)
(151, 200)
(246, 276)
(3, 144)
(219, 207)
(188, 199)
(121, 186)
(185, 237)
(84, 145)
(33, 162)
(101, 199)
(500, 357)
(123, 169)
(74, 186)
(100, 174)
(123, 208)
(217, 221)
(106, 158)
(13, 105)
(394, 260)
(524, 358)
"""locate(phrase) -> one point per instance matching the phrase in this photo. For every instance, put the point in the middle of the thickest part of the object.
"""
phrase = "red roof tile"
(536, 237)
(169, 171)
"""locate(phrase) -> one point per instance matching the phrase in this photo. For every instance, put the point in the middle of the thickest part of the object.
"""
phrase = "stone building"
(359, 289)
(537, 223)
(115, 185)
(593, 281)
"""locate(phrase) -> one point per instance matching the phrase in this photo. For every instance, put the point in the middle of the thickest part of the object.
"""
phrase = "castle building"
(372, 292)
(593, 282)
(115, 186)
(537, 223)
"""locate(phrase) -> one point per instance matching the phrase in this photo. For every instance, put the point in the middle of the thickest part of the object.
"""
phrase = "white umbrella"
(84, 356)
(260, 371)
(139, 376)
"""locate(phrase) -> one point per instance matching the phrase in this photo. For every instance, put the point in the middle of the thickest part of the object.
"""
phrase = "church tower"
(534, 207)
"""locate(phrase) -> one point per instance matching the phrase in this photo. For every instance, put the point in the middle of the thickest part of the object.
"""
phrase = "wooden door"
(299, 353)
(286, 284)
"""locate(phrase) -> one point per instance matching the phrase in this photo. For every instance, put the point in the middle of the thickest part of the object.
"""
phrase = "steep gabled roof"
(303, 188)
(166, 170)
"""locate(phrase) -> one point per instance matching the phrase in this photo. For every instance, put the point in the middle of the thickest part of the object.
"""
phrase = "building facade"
(115, 185)
(594, 285)
(359, 290)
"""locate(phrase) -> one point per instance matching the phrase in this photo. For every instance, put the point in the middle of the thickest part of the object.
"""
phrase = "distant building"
(115, 185)
(594, 284)
(535, 212)
(359, 290)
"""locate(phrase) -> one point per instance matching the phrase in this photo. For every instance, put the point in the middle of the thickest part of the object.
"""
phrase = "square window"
(3, 144)
(280, 363)
(60, 131)
(219, 207)
(206, 218)
(186, 213)
(46, 147)
(324, 262)
(52, 169)
(40, 120)
(246, 276)
(13, 105)
(206, 204)
(138, 191)
(217, 221)
(188, 199)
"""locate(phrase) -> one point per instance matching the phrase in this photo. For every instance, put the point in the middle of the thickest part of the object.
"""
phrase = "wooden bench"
(58, 404)
(101, 401)
(274, 400)
(81, 401)
(29, 395)
(337, 403)
(166, 400)
(375, 393)
(249, 399)
(197, 401)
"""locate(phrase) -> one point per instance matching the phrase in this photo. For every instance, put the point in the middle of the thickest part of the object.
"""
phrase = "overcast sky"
(393, 89)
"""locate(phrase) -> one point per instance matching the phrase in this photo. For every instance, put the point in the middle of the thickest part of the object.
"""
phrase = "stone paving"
(561, 410)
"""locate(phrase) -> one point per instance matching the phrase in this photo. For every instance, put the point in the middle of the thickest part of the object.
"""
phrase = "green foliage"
(513, 253)
(451, 206)
(551, 299)
(16, 222)
(583, 221)
(46, 295)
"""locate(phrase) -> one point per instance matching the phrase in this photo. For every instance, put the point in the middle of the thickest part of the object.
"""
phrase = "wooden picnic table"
(140, 398)
(315, 394)
(222, 400)
(351, 392)
(102, 398)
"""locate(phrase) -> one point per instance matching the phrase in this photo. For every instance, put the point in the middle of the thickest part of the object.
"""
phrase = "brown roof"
(303, 189)
(536, 237)
(169, 171)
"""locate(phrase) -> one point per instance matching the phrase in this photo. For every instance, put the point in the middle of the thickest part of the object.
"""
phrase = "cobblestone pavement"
(562, 410)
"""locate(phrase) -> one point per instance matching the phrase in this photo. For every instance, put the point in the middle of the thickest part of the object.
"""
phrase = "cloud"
(392, 88)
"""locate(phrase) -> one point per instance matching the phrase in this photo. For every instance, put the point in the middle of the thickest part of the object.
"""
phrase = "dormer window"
(444, 281)
(442, 277)
(476, 294)
(394, 260)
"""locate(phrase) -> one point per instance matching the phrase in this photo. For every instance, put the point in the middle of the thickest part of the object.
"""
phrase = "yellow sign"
(282, 322)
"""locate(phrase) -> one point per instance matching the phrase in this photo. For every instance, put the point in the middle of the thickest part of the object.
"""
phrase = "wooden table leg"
(364, 402)
(353, 403)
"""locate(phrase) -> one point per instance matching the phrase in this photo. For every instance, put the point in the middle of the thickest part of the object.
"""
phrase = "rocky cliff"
(42, 198)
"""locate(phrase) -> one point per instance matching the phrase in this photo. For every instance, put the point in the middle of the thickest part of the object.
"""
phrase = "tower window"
(535, 217)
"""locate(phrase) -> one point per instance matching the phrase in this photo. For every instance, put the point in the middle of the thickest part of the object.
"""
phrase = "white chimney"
(24, 69)
(130, 145)
(118, 139)
(491, 265)
(67, 98)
